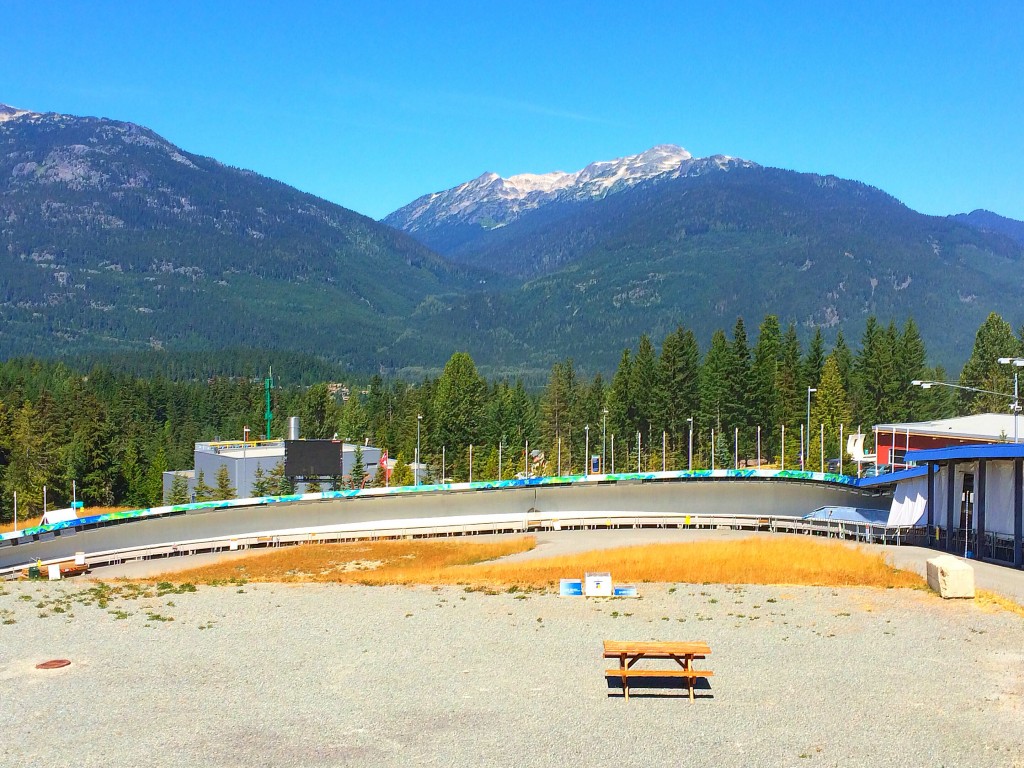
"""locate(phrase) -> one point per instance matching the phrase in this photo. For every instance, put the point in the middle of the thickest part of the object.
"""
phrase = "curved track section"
(660, 498)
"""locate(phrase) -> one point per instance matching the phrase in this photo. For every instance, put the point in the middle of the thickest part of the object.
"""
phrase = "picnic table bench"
(629, 653)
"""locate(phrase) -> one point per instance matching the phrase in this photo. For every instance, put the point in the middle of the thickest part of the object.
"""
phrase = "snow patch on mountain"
(13, 113)
(491, 201)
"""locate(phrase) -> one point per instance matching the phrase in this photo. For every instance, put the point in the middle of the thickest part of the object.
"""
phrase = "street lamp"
(689, 447)
(419, 421)
(604, 435)
(804, 448)
(586, 450)
(1016, 362)
(1014, 405)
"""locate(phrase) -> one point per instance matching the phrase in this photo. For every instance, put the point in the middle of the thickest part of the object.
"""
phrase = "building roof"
(891, 478)
(969, 452)
(981, 426)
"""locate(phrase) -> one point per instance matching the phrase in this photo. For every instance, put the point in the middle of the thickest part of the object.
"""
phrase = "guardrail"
(443, 527)
(112, 518)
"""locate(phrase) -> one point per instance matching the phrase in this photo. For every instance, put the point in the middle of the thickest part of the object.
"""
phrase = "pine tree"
(736, 411)
(911, 359)
(621, 409)
(179, 490)
(994, 340)
(765, 396)
(224, 490)
(714, 382)
(260, 483)
(458, 409)
(831, 409)
(815, 360)
(276, 480)
(402, 473)
(678, 384)
(792, 391)
(201, 490)
(643, 385)
(358, 468)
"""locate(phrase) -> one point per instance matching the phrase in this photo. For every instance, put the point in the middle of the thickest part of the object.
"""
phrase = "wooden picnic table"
(630, 652)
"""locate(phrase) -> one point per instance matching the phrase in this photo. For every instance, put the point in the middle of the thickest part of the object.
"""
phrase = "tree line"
(107, 436)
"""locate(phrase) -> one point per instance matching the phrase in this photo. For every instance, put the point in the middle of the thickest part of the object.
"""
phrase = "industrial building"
(244, 458)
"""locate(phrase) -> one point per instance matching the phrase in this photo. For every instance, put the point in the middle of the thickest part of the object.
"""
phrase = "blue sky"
(373, 104)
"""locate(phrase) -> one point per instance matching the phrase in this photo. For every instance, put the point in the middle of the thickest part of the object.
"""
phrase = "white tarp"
(999, 497)
(909, 502)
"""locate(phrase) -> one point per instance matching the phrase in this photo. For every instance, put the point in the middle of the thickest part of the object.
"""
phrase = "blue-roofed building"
(970, 497)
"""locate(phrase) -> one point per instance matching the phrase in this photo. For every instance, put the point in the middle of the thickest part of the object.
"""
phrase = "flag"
(384, 464)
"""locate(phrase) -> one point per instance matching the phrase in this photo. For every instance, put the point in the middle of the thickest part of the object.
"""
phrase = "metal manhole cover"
(53, 664)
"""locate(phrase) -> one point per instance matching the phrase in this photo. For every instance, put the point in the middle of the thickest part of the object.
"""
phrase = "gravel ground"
(311, 675)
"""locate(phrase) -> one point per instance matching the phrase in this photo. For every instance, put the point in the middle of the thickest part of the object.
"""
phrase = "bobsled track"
(769, 499)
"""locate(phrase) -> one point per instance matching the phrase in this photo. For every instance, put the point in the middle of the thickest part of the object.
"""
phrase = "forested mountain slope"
(113, 238)
(704, 249)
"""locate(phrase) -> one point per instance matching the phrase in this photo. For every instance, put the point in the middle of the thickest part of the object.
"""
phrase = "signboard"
(312, 458)
(570, 587)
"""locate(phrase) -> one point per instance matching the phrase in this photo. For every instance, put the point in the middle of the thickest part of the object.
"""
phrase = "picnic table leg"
(625, 678)
(689, 680)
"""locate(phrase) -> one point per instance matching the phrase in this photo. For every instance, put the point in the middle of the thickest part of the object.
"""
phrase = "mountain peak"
(8, 112)
(491, 201)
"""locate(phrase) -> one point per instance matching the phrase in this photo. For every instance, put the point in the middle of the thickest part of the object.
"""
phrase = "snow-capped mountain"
(490, 201)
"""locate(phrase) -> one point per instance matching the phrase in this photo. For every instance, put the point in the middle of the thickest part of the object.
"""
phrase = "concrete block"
(951, 577)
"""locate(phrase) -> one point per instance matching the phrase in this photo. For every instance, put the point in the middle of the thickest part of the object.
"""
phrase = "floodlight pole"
(689, 446)
(806, 448)
(1016, 362)
(586, 451)
(419, 421)
(604, 436)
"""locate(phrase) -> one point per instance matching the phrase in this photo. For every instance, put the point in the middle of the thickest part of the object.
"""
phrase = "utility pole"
(268, 384)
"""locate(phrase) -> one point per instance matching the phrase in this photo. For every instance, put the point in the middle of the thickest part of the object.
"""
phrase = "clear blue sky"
(373, 104)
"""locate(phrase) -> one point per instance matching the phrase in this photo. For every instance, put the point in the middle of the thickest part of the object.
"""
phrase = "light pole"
(586, 450)
(804, 448)
(638, 451)
(502, 440)
(613, 453)
(419, 421)
(689, 446)
(604, 435)
(1014, 405)
(1016, 362)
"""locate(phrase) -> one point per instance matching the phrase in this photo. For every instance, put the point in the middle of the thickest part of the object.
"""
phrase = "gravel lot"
(333, 675)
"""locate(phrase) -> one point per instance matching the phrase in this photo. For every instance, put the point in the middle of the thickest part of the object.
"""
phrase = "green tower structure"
(268, 384)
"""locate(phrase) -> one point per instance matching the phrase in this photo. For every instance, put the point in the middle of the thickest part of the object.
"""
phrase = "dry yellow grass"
(991, 601)
(782, 560)
(373, 562)
(34, 521)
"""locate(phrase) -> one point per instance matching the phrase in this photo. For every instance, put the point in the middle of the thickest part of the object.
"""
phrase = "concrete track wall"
(753, 497)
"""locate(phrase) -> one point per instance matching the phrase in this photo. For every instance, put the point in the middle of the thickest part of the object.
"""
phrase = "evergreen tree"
(224, 490)
(765, 396)
(458, 409)
(994, 340)
(910, 366)
(643, 386)
(277, 484)
(831, 409)
(319, 413)
(621, 409)
(559, 407)
(736, 411)
(402, 473)
(202, 491)
(792, 392)
(178, 491)
(815, 360)
(358, 468)
(678, 384)
(844, 359)
(714, 382)
(260, 483)
(875, 376)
